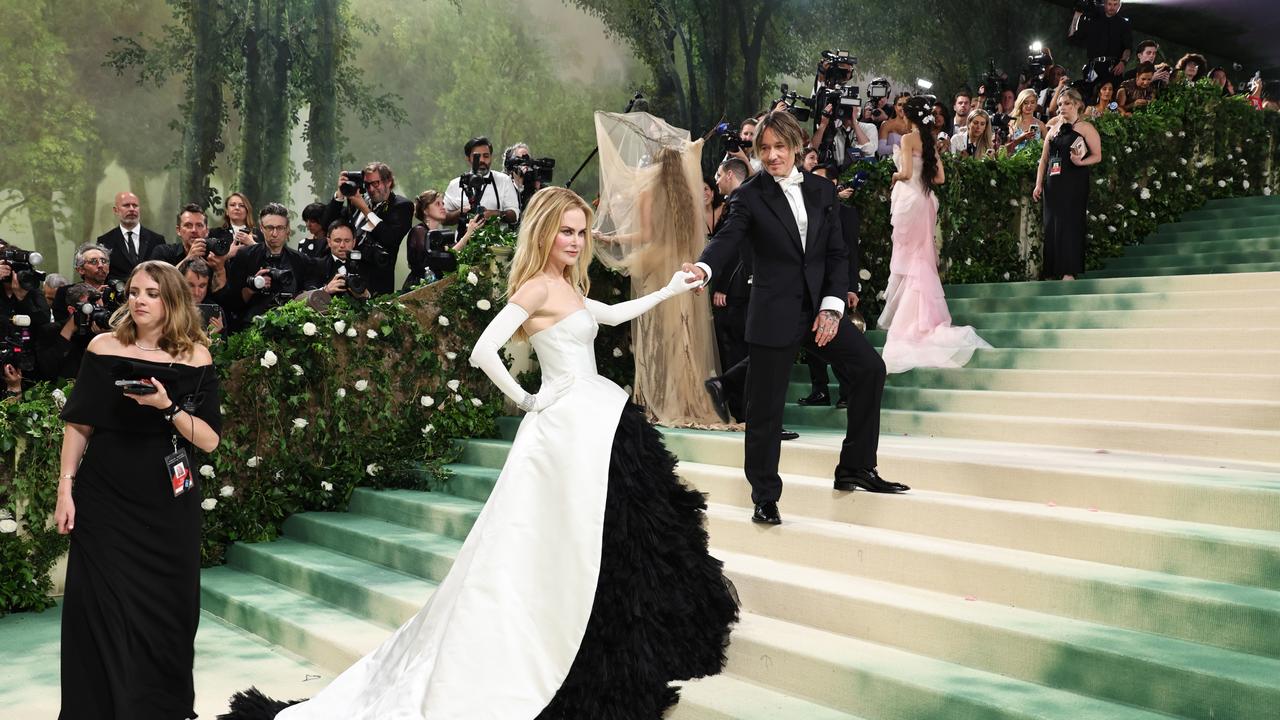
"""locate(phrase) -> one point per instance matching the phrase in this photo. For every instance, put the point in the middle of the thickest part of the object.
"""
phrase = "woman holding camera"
(145, 401)
(976, 140)
(1062, 178)
(237, 221)
(431, 256)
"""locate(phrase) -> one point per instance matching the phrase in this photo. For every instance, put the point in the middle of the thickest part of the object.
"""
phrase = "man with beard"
(381, 218)
(493, 191)
(129, 243)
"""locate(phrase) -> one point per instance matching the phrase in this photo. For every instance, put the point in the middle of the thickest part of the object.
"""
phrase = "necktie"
(133, 248)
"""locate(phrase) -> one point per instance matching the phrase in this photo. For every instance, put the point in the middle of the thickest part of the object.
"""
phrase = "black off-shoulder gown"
(132, 600)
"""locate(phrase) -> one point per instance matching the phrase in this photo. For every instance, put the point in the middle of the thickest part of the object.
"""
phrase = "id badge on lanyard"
(178, 466)
(1055, 165)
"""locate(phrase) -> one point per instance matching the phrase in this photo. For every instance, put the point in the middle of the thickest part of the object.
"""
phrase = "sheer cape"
(648, 223)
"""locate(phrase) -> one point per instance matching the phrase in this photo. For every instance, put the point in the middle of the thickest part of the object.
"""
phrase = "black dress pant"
(854, 360)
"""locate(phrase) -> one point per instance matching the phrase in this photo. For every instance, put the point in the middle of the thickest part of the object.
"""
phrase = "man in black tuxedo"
(800, 286)
(849, 222)
(129, 242)
(381, 221)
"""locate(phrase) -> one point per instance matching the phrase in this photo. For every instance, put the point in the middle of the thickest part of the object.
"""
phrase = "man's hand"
(197, 249)
(215, 325)
(853, 300)
(12, 379)
(719, 299)
(1117, 69)
(825, 327)
(337, 285)
(844, 193)
(5, 271)
(265, 274)
(698, 273)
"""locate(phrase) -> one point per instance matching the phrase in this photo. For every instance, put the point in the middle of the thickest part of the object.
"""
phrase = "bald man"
(129, 242)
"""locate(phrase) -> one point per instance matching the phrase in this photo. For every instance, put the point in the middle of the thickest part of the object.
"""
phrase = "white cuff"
(706, 269)
(831, 302)
(370, 222)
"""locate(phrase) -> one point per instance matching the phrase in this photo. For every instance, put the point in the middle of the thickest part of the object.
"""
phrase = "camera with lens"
(90, 312)
(531, 170)
(1037, 64)
(352, 183)
(1091, 8)
(844, 101)
(218, 244)
(793, 102)
(15, 343)
(732, 138)
(283, 281)
(24, 264)
(354, 273)
(472, 186)
(836, 68)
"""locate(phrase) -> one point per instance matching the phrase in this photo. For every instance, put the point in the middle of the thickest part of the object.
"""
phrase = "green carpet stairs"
(1093, 531)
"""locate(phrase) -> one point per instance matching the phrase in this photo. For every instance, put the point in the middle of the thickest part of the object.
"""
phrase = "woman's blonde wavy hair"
(538, 227)
(182, 329)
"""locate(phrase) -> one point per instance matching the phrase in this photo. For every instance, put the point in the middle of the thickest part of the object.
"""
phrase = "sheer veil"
(649, 222)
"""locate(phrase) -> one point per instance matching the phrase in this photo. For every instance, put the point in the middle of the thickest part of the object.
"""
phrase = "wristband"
(171, 412)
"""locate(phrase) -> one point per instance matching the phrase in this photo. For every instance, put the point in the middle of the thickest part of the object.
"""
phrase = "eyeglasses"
(96, 261)
(273, 229)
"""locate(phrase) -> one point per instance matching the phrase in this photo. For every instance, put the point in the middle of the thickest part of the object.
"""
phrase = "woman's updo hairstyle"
(919, 112)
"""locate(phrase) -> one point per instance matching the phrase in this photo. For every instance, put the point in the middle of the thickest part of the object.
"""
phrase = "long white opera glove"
(631, 309)
(485, 356)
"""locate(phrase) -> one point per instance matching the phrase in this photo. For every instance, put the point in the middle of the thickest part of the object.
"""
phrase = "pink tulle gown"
(915, 311)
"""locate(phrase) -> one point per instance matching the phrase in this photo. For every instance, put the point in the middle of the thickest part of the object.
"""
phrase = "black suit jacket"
(123, 260)
(849, 222)
(397, 217)
(786, 279)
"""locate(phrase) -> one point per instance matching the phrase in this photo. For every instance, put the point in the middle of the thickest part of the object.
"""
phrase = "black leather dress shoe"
(817, 398)
(766, 514)
(789, 434)
(867, 479)
(715, 389)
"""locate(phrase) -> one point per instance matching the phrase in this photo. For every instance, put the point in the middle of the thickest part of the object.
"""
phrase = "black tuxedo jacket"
(787, 278)
(123, 260)
(397, 217)
(849, 223)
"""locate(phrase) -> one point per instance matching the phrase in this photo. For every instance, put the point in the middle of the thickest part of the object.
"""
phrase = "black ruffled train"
(662, 610)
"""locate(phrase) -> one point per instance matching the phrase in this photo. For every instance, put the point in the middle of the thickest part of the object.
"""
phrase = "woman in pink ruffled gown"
(915, 312)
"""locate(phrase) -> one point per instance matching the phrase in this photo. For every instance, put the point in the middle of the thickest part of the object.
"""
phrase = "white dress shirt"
(136, 247)
(499, 195)
(791, 185)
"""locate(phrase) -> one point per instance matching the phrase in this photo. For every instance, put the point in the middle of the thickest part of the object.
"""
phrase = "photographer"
(482, 188)
(529, 174)
(746, 136)
(53, 286)
(237, 222)
(336, 273)
(1147, 53)
(1098, 27)
(1138, 92)
(431, 246)
(93, 264)
(380, 221)
(20, 287)
(60, 348)
(975, 139)
(199, 277)
(192, 231)
(270, 273)
(856, 135)
(316, 244)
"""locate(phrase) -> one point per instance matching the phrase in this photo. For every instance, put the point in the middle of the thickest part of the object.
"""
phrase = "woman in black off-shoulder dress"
(132, 599)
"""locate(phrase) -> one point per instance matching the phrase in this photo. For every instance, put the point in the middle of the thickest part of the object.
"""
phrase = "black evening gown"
(132, 599)
(1066, 197)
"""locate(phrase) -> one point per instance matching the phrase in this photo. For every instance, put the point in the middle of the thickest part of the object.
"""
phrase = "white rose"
(1222, 183)
(1102, 217)
(1182, 160)
(226, 491)
(457, 398)
(443, 321)
(297, 370)
(483, 304)
(1133, 186)
(209, 504)
(372, 469)
(299, 424)
(371, 334)
(340, 327)
(1168, 133)
(308, 329)
(617, 352)
(993, 182)
(326, 486)
(427, 401)
(1145, 194)
(269, 359)
(1111, 228)
(472, 279)
(1013, 203)
(59, 397)
(1265, 190)
(477, 402)
(253, 461)
(864, 273)
(362, 385)
(342, 392)
(351, 332)
(8, 526)
(1245, 184)
(428, 429)
(453, 385)
(451, 355)
(1006, 276)
(968, 261)
(206, 472)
